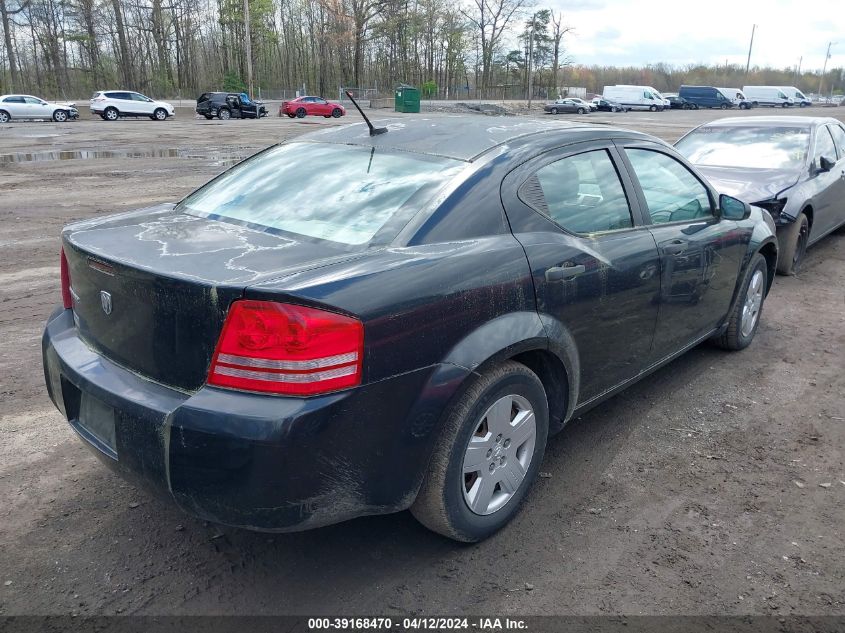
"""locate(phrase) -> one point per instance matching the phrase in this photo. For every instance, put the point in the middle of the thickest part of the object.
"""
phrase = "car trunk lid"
(151, 289)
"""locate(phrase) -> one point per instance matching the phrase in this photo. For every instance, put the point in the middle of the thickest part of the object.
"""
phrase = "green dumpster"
(407, 99)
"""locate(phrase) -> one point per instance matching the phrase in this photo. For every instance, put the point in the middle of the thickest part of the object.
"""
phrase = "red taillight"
(67, 300)
(287, 349)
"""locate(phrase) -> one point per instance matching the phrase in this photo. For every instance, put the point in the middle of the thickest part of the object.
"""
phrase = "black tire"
(580, 110)
(724, 106)
(553, 110)
(793, 246)
(337, 113)
(4, 117)
(160, 114)
(300, 113)
(695, 106)
(653, 108)
(441, 505)
(224, 114)
(111, 114)
(208, 116)
(60, 116)
(292, 116)
(784, 105)
(733, 338)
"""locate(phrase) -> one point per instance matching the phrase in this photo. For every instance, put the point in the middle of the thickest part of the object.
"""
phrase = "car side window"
(671, 191)
(581, 193)
(839, 139)
(33, 100)
(13, 100)
(824, 144)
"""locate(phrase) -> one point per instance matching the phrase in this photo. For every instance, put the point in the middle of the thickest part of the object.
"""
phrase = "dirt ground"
(715, 486)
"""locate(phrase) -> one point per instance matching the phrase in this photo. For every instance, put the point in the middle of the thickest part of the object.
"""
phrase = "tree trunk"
(10, 51)
(125, 61)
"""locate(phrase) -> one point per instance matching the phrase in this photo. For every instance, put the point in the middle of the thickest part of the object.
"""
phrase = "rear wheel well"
(770, 252)
(552, 373)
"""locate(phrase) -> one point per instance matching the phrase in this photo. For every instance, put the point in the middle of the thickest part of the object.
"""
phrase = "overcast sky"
(631, 32)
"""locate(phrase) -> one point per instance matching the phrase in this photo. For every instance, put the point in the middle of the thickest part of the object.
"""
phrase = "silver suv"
(113, 104)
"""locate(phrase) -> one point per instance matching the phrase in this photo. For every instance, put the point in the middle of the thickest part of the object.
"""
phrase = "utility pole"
(798, 71)
(824, 68)
(530, 61)
(248, 48)
(748, 63)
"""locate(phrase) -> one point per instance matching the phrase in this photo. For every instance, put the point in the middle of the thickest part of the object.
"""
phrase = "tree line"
(496, 49)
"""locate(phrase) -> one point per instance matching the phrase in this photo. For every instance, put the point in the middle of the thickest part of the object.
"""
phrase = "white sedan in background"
(29, 107)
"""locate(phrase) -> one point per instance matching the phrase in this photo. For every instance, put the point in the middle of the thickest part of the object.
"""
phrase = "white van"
(797, 96)
(636, 97)
(739, 99)
(767, 96)
(666, 103)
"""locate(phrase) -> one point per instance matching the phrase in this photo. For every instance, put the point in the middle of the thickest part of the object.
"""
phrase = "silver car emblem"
(105, 301)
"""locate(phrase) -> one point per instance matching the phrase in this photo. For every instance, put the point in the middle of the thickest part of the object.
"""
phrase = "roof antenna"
(374, 131)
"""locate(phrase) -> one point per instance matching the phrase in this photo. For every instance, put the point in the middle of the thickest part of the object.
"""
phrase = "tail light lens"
(287, 349)
(67, 300)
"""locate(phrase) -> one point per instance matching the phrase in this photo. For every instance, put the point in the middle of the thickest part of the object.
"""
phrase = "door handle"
(564, 273)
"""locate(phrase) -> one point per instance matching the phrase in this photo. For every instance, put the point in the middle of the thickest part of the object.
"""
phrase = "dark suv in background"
(229, 105)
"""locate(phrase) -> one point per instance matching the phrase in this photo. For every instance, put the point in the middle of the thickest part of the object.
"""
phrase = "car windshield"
(776, 147)
(341, 193)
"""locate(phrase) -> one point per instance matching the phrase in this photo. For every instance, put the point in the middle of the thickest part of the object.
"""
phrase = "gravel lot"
(715, 486)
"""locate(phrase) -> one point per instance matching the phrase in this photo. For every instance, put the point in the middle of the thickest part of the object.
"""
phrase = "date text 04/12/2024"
(417, 623)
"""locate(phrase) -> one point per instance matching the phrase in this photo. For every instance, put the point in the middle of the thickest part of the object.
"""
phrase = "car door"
(37, 109)
(321, 106)
(828, 186)
(838, 133)
(700, 254)
(141, 104)
(594, 265)
(15, 106)
(121, 100)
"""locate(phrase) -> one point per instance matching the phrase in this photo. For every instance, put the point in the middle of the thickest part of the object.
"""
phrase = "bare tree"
(491, 19)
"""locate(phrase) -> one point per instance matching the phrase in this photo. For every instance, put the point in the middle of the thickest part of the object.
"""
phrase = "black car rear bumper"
(248, 460)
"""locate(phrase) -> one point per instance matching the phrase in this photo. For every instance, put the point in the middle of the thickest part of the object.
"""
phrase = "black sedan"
(402, 328)
(792, 166)
(678, 103)
(606, 105)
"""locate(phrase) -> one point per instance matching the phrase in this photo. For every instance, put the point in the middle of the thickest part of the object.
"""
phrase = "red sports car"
(315, 106)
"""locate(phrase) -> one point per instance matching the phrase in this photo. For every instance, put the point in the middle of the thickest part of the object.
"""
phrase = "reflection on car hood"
(750, 185)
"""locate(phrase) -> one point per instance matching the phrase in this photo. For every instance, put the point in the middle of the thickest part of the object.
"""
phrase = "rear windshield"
(341, 193)
(204, 97)
(747, 147)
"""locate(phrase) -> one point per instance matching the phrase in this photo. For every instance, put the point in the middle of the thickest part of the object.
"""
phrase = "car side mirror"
(733, 209)
(825, 164)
